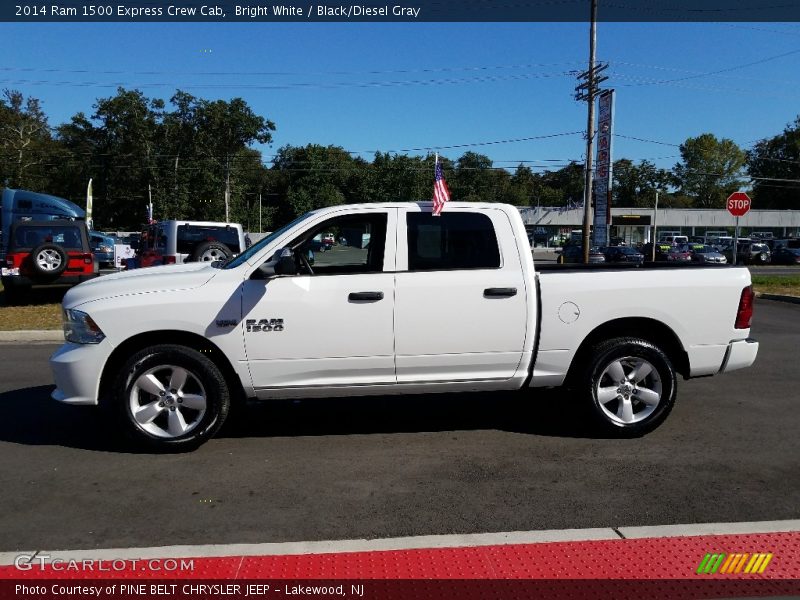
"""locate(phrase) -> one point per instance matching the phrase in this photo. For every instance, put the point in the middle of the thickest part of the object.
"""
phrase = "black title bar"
(141, 11)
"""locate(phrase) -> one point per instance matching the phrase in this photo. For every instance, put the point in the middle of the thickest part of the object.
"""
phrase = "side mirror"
(284, 262)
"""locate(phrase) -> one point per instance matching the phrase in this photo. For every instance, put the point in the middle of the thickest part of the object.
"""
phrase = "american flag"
(440, 192)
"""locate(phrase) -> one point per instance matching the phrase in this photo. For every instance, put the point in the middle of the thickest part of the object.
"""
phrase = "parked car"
(786, 256)
(46, 253)
(749, 252)
(178, 242)
(661, 252)
(674, 240)
(707, 254)
(103, 249)
(169, 351)
(623, 254)
(574, 254)
(679, 254)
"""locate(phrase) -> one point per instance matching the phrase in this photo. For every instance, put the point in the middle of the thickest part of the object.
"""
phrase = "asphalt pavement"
(385, 467)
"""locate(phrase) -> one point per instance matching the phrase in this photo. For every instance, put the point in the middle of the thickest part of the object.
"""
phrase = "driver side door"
(332, 327)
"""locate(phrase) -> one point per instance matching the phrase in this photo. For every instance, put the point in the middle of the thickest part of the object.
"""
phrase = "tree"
(710, 171)
(777, 158)
(474, 179)
(25, 142)
(314, 176)
(635, 185)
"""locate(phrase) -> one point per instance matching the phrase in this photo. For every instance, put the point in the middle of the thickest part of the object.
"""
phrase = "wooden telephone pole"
(588, 90)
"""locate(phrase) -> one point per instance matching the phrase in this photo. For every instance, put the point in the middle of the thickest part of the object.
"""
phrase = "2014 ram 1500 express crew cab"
(406, 303)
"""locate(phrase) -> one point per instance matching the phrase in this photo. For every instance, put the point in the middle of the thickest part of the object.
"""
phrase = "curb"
(778, 298)
(37, 335)
(423, 542)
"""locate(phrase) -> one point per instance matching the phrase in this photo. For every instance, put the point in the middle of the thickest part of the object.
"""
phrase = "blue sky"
(403, 86)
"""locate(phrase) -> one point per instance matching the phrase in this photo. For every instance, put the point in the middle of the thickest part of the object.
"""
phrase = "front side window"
(344, 245)
(453, 240)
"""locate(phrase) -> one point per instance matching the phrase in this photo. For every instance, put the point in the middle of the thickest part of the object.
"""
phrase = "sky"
(419, 87)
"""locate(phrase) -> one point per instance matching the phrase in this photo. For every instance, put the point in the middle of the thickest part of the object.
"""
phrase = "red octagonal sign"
(738, 204)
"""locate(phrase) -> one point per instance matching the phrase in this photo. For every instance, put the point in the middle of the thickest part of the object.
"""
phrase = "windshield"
(256, 248)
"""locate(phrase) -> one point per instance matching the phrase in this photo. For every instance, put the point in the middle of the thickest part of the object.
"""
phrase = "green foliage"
(710, 171)
(636, 185)
(777, 158)
(188, 151)
(25, 142)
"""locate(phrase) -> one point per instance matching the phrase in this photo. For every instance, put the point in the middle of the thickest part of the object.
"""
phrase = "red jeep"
(46, 253)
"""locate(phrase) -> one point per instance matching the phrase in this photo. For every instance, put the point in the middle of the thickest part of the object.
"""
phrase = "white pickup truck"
(426, 304)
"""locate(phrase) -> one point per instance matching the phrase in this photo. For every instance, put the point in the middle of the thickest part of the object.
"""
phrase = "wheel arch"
(651, 330)
(176, 337)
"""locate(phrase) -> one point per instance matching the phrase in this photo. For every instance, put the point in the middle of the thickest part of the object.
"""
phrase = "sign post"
(738, 205)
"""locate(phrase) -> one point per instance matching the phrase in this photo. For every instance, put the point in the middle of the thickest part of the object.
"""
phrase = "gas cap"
(569, 312)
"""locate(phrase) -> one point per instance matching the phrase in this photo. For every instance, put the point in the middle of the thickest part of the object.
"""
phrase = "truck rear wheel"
(630, 386)
(170, 398)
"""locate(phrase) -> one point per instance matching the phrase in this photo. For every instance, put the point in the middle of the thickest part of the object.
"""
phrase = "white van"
(675, 240)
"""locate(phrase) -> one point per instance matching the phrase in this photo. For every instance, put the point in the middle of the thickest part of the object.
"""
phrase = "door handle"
(499, 292)
(365, 296)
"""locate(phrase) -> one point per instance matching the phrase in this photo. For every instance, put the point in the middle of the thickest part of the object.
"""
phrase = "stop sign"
(738, 204)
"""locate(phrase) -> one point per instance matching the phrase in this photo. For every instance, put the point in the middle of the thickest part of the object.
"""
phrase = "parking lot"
(379, 467)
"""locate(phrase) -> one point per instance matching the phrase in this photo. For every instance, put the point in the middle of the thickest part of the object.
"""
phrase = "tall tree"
(25, 142)
(710, 171)
(777, 160)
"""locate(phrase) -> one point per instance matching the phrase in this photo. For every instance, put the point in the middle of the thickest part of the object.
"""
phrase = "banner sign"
(602, 173)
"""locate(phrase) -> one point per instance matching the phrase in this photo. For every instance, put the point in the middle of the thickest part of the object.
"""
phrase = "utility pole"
(227, 188)
(588, 90)
(655, 230)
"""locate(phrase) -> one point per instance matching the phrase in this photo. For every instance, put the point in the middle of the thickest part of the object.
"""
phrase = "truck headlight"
(79, 328)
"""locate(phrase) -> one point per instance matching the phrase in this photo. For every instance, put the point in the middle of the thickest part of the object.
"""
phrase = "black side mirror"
(284, 262)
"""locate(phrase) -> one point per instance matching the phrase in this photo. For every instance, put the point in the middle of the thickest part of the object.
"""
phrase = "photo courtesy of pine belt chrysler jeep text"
(405, 302)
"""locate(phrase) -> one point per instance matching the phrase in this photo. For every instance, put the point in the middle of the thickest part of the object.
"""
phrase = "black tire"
(160, 361)
(211, 251)
(611, 417)
(49, 254)
(762, 258)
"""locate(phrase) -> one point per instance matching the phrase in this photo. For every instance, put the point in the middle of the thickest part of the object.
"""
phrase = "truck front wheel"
(630, 386)
(170, 398)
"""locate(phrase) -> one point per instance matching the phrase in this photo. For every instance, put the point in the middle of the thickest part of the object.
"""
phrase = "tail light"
(88, 258)
(745, 312)
(168, 260)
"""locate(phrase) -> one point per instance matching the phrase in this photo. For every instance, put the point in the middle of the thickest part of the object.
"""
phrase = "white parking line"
(409, 543)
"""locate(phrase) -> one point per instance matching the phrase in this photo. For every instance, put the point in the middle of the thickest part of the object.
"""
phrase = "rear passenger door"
(460, 299)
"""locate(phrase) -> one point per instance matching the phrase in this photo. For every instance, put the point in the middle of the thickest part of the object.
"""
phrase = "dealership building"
(636, 225)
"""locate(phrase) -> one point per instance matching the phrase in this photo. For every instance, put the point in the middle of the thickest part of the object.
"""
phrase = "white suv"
(171, 242)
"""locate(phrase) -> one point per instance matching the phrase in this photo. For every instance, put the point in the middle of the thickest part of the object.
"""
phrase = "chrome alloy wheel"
(48, 260)
(212, 255)
(167, 401)
(629, 390)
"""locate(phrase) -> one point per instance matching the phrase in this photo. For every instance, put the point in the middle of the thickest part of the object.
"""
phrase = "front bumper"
(76, 370)
(740, 355)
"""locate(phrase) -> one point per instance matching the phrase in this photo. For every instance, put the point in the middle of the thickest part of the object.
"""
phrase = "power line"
(288, 86)
(290, 73)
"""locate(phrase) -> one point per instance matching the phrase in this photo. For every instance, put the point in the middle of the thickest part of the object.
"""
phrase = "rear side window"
(191, 236)
(453, 240)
